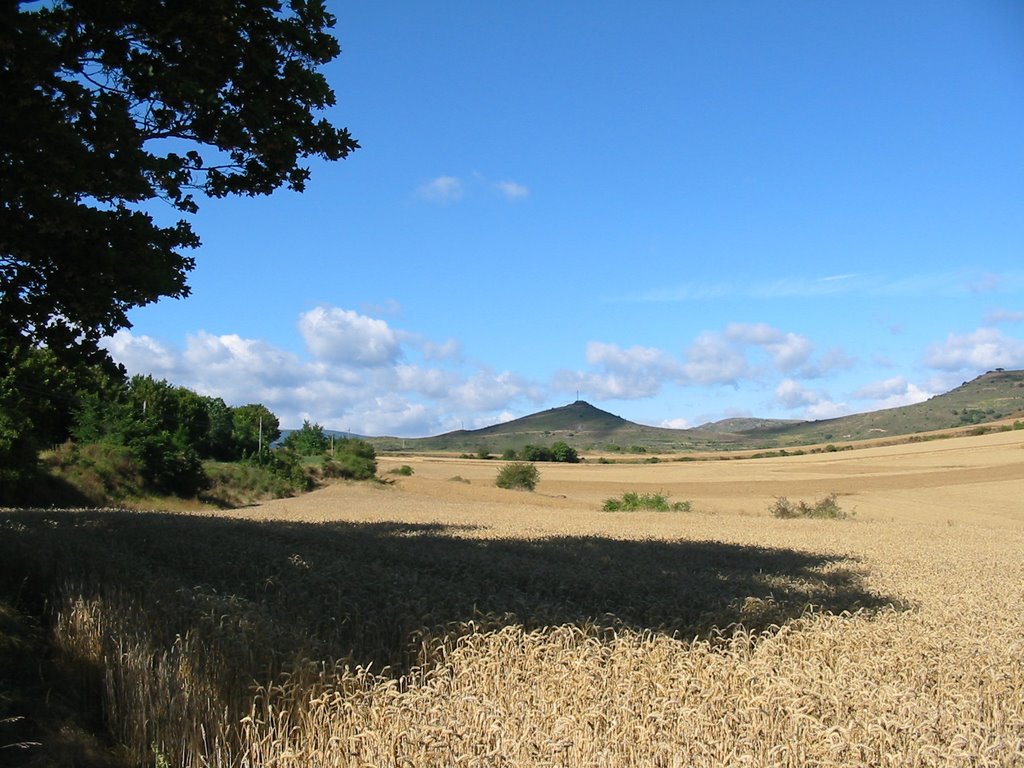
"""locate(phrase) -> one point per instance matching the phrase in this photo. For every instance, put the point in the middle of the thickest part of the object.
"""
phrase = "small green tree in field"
(564, 452)
(353, 459)
(518, 476)
(308, 441)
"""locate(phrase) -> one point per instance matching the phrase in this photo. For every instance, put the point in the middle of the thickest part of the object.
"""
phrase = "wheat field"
(442, 621)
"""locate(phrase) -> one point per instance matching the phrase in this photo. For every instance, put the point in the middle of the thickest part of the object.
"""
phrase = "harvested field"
(534, 629)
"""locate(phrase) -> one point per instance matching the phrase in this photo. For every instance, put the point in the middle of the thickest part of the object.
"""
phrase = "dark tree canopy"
(110, 104)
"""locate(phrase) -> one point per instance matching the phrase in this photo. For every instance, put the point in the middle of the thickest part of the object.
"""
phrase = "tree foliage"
(308, 441)
(351, 459)
(559, 451)
(518, 476)
(38, 399)
(109, 105)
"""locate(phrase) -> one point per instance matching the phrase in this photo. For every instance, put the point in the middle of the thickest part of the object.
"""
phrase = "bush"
(825, 508)
(245, 482)
(308, 441)
(519, 476)
(102, 474)
(405, 470)
(655, 502)
(564, 452)
(353, 460)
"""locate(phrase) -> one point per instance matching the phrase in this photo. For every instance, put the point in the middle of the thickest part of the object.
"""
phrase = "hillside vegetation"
(993, 396)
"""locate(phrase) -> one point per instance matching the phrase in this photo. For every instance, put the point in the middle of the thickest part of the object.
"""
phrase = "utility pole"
(260, 449)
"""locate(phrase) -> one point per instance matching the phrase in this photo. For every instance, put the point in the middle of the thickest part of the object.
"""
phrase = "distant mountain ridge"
(994, 395)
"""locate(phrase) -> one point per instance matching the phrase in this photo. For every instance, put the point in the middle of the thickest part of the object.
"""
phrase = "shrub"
(353, 459)
(824, 508)
(519, 476)
(308, 441)
(655, 502)
(405, 470)
(101, 473)
(564, 452)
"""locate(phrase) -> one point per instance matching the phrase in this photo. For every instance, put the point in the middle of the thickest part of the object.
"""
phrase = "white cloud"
(236, 369)
(826, 409)
(752, 333)
(608, 385)
(443, 189)
(487, 391)
(788, 351)
(675, 424)
(832, 360)
(981, 350)
(345, 337)
(624, 374)
(880, 389)
(512, 190)
(997, 316)
(356, 375)
(393, 415)
(892, 393)
(792, 394)
(712, 359)
(429, 382)
(615, 358)
(815, 403)
(449, 350)
(141, 353)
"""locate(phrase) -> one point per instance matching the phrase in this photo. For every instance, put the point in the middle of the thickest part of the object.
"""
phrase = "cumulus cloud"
(879, 389)
(623, 374)
(615, 358)
(443, 189)
(712, 359)
(512, 190)
(791, 394)
(359, 374)
(816, 404)
(981, 350)
(430, 382)
(141, 353)
(675, 424)
(346, 337)
(489, 391)
(787, 351)
(826, 409)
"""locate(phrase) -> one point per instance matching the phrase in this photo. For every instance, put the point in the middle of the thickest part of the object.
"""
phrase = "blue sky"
(683, 211)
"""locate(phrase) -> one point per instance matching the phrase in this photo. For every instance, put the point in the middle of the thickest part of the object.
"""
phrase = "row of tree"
(169, 429)
(559, 451)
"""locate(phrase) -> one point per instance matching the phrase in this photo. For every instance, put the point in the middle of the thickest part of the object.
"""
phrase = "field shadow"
(368, 592)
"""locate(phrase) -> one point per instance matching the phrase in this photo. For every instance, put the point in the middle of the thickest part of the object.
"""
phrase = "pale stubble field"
(527, 629)
(937, 679)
